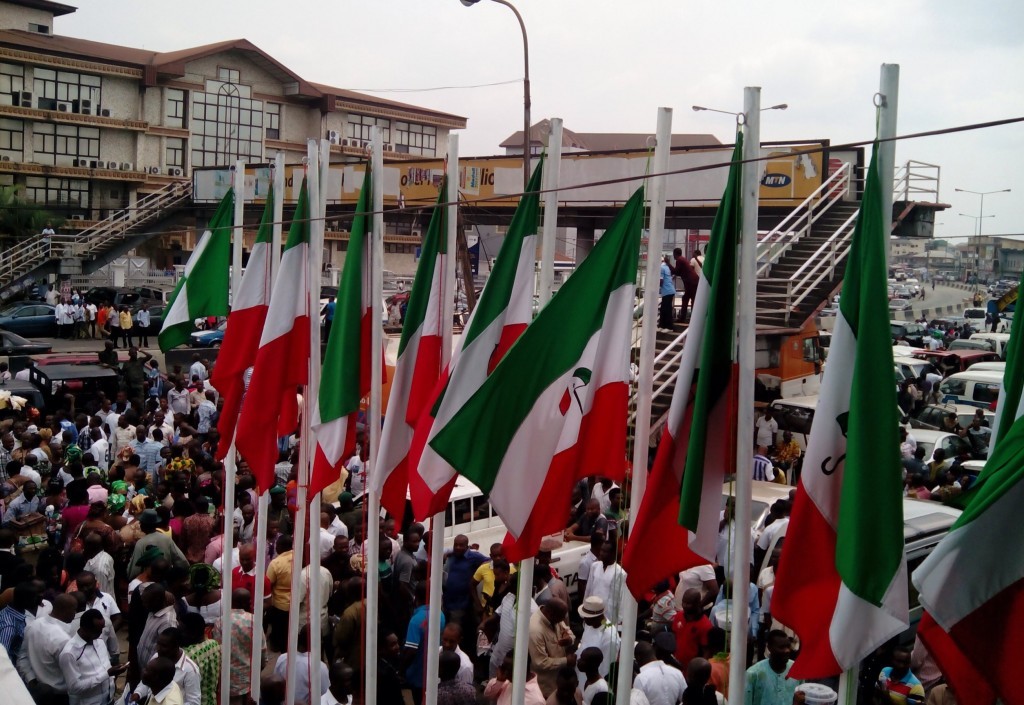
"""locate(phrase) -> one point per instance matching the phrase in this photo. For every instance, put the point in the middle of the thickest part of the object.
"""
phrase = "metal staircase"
(96, 245)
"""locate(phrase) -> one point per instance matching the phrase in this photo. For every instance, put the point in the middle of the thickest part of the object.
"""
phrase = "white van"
(925, 523)
(795, 415)
(997, 366)
(469, 512)
(977, 388)
(1000, 342)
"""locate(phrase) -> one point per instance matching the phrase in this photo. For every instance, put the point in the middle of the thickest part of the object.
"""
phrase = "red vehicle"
(948, 362)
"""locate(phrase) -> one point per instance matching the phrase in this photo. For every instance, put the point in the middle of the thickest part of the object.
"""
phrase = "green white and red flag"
(418, 367)
(345, 379)
(678, 522)
(244, 328)
(554, 410)
(842, 578)
(972, 584)
(203, 289)
(503, 312)
(270, 408)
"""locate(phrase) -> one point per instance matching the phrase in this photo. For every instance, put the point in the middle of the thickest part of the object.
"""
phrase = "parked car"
(14, 344)
(29, 319)
(952, 444)
(899, 304)
(208, 338)
(948, 362)
(971, 344)
(931, 417)
(908, 331)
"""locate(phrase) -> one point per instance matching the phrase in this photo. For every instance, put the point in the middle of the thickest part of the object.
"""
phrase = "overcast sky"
(607, 66)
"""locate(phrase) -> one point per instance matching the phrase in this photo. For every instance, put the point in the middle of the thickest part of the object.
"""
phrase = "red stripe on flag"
(967, 683)
(807, 589)
(424, 378)
(237, 354)
(425, 503)
(509, 335)
(392, 496)
(992, 637)
(600, 444)
(271, 407)
(324, 473)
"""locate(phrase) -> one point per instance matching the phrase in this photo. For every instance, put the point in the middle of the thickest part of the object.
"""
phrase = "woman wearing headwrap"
(205, 596)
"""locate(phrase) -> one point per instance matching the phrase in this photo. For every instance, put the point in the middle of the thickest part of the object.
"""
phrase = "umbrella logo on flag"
(583, 375)
(843, 420)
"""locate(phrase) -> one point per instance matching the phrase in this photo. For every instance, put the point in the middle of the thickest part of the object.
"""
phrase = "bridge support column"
(584, 241)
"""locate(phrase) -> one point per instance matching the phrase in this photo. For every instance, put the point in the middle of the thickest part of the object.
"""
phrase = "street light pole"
(526, 86)
(978, 223)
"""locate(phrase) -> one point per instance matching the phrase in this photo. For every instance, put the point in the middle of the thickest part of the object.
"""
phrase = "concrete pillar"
(584, 241)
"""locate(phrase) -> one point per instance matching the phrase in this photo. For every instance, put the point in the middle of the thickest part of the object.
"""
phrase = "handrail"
(31, 252)
(791, 228)
(914, 171)
(811, 259)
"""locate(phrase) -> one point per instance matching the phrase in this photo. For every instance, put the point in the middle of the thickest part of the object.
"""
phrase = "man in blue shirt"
(328, 313)
(667, 290)
(413, 656)
(459, 566)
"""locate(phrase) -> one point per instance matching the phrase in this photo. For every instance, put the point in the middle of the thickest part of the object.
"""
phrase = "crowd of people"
(78, 318)
(112, 557)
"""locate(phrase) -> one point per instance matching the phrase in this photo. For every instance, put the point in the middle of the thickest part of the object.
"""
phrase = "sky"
(606, 66)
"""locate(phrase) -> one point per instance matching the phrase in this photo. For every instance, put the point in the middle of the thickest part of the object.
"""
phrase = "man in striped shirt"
(763, 469)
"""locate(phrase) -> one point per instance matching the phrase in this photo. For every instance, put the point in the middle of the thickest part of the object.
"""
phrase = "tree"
(21, 218)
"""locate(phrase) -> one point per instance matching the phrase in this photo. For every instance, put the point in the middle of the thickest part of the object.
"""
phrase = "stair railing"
(798, 223)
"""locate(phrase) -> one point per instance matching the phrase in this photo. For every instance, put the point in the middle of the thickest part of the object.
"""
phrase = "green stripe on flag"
(1013, 381)
(339, 384)
(718, 347)
(869, 544)
(203, 289)
(298, 232)
(478, 436)
(435, 242)
(501, 280)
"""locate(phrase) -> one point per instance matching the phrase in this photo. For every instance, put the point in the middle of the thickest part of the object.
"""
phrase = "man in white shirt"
(450, 639)
(606, 580)
(198, 369)
(186, 672)
(661, 683)
(766, 427)
(85, 663)
(45, 638)
(99, 449)
(763, 470)
(90, 318)
(106, 605)
(177, 398)
(599, 633)
(99, 562)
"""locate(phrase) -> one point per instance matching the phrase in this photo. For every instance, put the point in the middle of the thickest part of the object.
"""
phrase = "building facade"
(88, 128)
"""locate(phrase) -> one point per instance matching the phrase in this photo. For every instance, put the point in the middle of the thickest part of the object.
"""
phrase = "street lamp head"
(780, 106)
(469, 3)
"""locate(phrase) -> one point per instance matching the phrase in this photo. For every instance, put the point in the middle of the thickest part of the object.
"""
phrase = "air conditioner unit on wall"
(105, 112)
(85, 107)
(64, 107)
(5, 158)
(26, 99)
(154, 170)
(333, 136)
(112, 165)
(344, 143)
(175, 171)
(126, 166)
(93, 164)
(387, 148)
(77, 217)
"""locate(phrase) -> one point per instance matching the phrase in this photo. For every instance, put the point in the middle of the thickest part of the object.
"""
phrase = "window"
(174, 114)
(228, 75)
(954, 387)
(227, 124)
(80, 91)
(986, 393)
(175, 154)
(71, 194)
(12, 138)
(411, 138)
(272, 121)
(12, 81)
(811, 350)
(360, 127)
(60, 145)
(40, 28)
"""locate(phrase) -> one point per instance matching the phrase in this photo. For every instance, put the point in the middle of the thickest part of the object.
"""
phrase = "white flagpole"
(263, 501)
(547, 246)
(526, 567)
(888, 100)
(430, 678)
(372, 538)
(302, 480)
(275, 242)
(316, 253)
(238, 184)
(745, 419)
(230, 462)
(644, 392)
